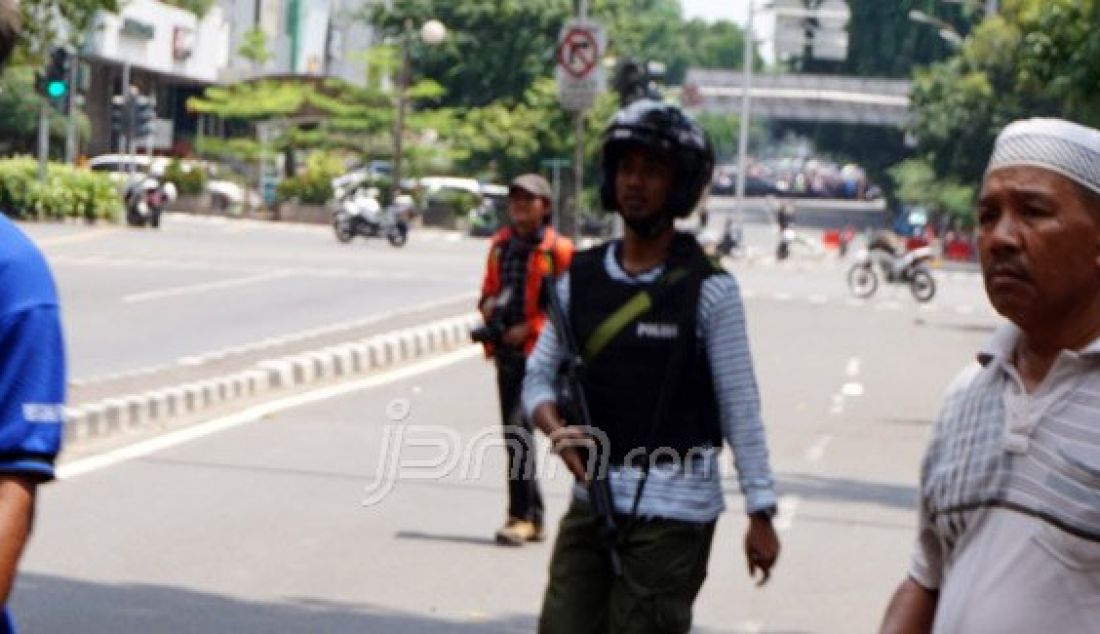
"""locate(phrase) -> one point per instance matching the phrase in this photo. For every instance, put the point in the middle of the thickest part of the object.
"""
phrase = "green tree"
(1035, 59)
(884, 42)
(254, 47)
(20, 105)
(916, 183)
(718, 44)
(42, 22)
(495, 48)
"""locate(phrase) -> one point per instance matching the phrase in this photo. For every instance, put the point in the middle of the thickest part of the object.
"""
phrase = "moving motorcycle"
(896, 268)
(730, 243)
(358, 213)
(145, 198)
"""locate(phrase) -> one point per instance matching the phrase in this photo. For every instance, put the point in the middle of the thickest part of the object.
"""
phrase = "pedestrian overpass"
(827, 98)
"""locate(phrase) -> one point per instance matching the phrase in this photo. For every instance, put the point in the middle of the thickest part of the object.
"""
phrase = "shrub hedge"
(67, 192)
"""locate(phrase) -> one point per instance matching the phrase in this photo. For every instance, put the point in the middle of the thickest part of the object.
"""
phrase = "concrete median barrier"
(173, 405)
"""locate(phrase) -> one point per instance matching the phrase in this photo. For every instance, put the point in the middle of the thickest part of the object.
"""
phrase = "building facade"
(173, 55)
(165, 52)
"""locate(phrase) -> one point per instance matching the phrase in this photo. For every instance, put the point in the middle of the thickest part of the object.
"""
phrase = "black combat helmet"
(662, 126)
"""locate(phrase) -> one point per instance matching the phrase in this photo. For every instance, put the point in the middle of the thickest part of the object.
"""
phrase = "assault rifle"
(574, 409)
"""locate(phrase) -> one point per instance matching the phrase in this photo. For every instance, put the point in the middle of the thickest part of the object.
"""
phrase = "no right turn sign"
(579, 71)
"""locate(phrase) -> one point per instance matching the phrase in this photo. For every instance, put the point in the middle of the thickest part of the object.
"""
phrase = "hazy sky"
(736, 10)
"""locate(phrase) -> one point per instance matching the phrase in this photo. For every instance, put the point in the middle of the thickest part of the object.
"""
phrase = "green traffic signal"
(56, 89)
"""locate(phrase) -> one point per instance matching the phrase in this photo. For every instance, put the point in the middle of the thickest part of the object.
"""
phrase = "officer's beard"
(649, 226)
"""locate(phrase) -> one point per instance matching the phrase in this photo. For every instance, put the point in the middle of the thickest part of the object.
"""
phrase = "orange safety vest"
(551, 257)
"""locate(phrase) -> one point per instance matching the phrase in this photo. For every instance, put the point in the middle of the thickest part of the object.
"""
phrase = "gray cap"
(532, 184)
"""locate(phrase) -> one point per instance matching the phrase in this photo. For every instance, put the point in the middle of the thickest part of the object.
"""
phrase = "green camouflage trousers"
(664, 565)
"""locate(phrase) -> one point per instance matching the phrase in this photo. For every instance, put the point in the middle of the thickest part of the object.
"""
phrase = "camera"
(491, 333)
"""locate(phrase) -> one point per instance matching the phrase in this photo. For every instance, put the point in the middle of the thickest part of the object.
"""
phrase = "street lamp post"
(431, 32)
(946, 29)
(746, 116)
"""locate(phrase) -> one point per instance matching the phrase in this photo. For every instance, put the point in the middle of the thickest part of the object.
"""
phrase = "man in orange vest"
(520, 256)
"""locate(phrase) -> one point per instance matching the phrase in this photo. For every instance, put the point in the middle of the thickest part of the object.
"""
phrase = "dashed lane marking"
(75, 238)
(837, 407)
(815, 452)
(788, 509)
(195, 289)
(852, 368)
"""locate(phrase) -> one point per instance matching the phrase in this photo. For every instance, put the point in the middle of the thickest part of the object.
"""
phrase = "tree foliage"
(19, 123)
(42, 22)
(497, 49)
(884, 42)
(254, 47)
(916, 183)
(1037, 58)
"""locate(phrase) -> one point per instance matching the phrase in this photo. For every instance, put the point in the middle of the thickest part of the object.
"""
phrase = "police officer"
(669, 378)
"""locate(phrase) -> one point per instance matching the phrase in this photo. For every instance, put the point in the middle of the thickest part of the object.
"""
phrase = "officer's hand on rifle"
(569, 442)
(761, 546)
(572, 444)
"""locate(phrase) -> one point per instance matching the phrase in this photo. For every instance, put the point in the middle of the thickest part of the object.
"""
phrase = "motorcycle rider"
(668, 375)
(520, 256)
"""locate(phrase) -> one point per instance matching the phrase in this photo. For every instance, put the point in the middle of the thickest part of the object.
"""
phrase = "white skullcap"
(1066, 148)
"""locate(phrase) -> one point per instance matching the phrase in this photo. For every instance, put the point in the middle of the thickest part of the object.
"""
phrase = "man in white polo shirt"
(1009, 535)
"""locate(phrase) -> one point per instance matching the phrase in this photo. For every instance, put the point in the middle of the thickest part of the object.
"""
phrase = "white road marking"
(788, 508)
(888, 305)
(751, 627)
(818, 298)
(964, 310)
(782, 296)
(272, 342)
(852, 369)
(817, 450)
(852, 389)
(203, 288)
(80, 237)
(88, 465)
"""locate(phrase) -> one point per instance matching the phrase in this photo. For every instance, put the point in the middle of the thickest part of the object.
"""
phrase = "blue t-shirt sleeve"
(32, 390)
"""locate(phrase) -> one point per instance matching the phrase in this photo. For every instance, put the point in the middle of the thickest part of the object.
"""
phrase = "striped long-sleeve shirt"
(692, 493)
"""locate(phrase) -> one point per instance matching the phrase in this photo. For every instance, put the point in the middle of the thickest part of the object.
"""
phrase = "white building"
(174, 55)
(166, 51)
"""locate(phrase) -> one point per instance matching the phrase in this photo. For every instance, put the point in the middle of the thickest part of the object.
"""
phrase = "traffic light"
(145, 113)
(54, 85)
(118, 115)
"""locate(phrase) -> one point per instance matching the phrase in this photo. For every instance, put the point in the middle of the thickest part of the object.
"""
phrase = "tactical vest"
(625, 379)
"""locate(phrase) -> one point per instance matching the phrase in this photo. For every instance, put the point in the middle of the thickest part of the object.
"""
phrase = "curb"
(156, 408)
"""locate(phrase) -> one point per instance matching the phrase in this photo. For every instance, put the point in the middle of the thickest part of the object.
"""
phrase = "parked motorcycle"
(909, 268)
(145, 198)
(358, 213)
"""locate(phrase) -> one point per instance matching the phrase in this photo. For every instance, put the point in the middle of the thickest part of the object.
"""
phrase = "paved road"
(261, 527)
(138, 299)
(134, 298)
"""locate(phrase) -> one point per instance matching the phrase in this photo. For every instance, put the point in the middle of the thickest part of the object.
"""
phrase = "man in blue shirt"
(32, 391)
(32, 374)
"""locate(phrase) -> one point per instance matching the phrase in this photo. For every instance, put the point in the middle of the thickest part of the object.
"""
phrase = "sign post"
(556, 165)
(580, 78)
